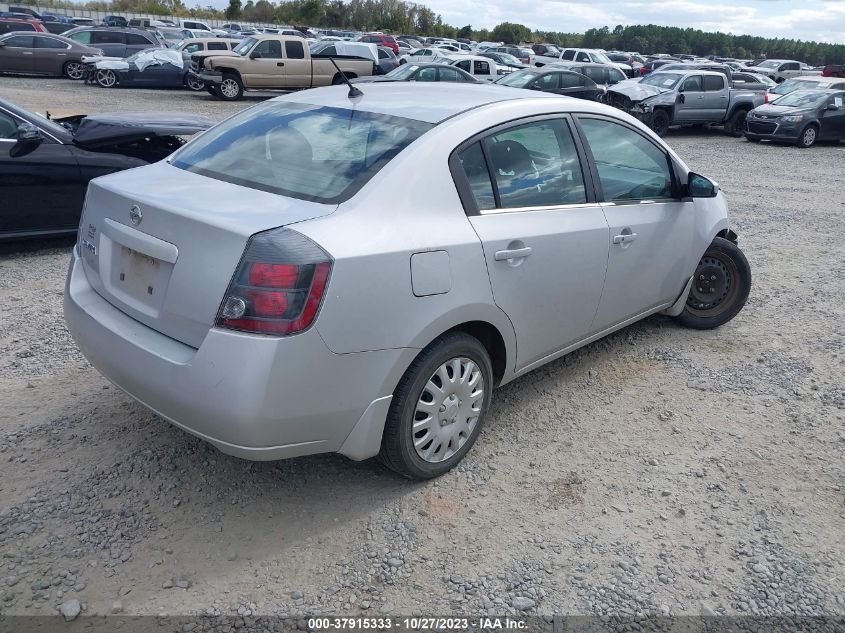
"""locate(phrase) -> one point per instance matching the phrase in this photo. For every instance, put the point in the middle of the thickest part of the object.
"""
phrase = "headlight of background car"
(792, 118)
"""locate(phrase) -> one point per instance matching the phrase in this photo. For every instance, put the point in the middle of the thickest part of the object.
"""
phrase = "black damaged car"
(802, 117)
(45, 165)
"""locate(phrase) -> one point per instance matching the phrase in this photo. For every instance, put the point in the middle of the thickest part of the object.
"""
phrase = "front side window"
(19, 41)
(547, 83)
(571, 80)
(83, 37)
(268, 49)
(481, 68)
(536, 165)
(449, 74)
(464, 65)
(309, 152)
(582, 57)
(569, 55)
(693, 84)
(426, 74)
(135, 39)
(107, 37)
(630, 167)
(9, 127)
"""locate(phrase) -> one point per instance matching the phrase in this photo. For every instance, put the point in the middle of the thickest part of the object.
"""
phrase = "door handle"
(625, 238)
(280, 63)
(27, 53)
(516, 253)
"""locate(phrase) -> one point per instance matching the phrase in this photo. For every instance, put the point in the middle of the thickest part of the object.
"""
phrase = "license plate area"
(137, 274)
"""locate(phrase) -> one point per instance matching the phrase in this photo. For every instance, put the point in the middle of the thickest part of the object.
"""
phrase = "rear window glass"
(309, 152)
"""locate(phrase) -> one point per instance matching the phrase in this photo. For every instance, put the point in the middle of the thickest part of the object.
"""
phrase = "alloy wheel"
(809, 136)
(448, 409)
(106, 78)
(229, 88)
(74, 70)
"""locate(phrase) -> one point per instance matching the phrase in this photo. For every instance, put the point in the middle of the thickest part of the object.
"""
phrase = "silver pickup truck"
(683, 97)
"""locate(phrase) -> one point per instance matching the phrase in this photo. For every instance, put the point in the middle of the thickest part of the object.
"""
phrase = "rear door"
(17, 54)
(545, 239)
(651, 228)
(297, 67)
(136, 42)
(49, 55)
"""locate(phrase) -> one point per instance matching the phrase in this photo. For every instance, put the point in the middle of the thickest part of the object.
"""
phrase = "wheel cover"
(809, 136)
(195, 84)
(714, 286)
(74, 70)
(229, 88)
(106, 78)
(448, 409)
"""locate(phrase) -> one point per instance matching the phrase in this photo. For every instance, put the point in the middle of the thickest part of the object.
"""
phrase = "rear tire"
(720, 287)
(73, 70)
(449, 385)
(660, 122)
(231, 88)
(808, 137)
(737, 124)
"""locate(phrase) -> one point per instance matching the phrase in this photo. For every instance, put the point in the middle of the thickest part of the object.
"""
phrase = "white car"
(593, 55)
(782, 69)
(479, 67)
(425, 55)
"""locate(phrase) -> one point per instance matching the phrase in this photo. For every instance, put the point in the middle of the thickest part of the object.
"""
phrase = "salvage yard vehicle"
(152, 68)
(43, 54)
(802, 117)
(422, 72)
(482, 68)
(554, 80)
(601, 74)
(425, 56)
(115, 41)
(595, 56)
(45, 165)
(276, 62)
(280, 287)
(14, 25)
(783, 69)
(811, 82)
(666, 98)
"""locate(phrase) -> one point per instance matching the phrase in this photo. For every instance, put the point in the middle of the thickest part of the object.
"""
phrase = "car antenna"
(353, 91)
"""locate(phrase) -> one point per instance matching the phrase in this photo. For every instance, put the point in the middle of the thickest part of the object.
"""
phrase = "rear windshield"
(304, 151)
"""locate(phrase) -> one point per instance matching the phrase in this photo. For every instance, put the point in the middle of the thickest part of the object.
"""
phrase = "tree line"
(401, 17)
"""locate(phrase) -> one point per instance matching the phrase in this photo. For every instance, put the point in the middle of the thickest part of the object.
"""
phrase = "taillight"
(278, 286)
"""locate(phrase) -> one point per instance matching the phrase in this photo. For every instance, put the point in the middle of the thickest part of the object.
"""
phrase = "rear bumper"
(255, 397)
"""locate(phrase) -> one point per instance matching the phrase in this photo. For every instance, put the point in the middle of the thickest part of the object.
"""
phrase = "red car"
(382, 40)
(7, 25)
(833, 70)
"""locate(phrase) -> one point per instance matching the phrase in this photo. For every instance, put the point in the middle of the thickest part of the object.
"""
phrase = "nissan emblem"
(135, 214)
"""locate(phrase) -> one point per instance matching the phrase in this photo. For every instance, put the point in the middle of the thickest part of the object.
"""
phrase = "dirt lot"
(661, 470)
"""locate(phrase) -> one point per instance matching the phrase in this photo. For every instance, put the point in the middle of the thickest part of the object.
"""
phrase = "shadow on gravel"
(21, 247)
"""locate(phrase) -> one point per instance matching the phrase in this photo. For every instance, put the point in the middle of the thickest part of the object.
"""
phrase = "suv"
(379, 39)
(115, 20)
(7, 25)
(524, 55)
(782, 69)
(115, 41)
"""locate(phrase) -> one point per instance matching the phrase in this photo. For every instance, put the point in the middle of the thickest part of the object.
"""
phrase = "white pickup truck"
(782, 69)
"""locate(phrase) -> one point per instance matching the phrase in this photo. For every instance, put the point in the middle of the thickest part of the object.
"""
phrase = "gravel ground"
(658, 471)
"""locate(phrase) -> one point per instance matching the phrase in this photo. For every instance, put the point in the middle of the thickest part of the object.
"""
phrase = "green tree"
(511, 33)
(465, 32)
(233, 11)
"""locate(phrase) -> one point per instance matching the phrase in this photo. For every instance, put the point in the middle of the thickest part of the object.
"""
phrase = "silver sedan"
(356, 273)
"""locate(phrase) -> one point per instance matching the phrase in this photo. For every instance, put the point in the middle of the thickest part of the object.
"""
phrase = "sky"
(817, 20)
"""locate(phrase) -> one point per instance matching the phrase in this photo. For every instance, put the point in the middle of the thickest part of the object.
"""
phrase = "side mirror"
(2, 44)
(29, 133)
(255, 56)
(832, 106)
(701, 187)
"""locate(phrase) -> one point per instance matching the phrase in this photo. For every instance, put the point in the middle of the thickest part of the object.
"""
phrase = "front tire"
(660, 122)
(720, 287)
(231, 88)
(808, 137)
(438, 408)
(194, 83)
(106, 78)
(73, 70)
(737, 124)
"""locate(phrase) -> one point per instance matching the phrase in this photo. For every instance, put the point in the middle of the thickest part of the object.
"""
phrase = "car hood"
(637, 91)
(776, 110)
(98, 130)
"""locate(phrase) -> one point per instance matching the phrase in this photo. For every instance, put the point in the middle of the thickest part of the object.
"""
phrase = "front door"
(50, 55)
(544, 238)
(266, 68)
(690, 105)
(833, 121)
(651, 229)
(40, 184)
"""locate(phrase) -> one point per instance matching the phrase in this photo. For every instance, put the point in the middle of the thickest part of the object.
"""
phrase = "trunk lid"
(161, 244)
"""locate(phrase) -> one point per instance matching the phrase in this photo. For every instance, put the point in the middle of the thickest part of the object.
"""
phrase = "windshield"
(600, 58)
(243, 48)
(310, 152)
(518, 79)
(662, 80)
(791, 85)
(509, 59)
(552, 51)
(802, 99)
(769, 64)
(403, 72)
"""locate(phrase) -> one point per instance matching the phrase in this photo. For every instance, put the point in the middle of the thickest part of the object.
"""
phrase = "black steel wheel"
(720, 286)
(660, 122)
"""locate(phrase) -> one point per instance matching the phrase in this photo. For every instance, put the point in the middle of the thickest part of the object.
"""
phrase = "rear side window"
(49, 42)
(713, 83)
(83, 37)
(630, 167)
(571, 80)
(294, 50)
(107, 37)
(135, 39)
(569, 54)
(17, 26)
(303, 151)
(217, 46)
(475, 169)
